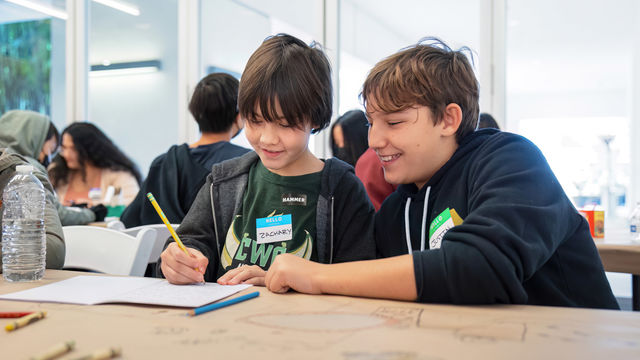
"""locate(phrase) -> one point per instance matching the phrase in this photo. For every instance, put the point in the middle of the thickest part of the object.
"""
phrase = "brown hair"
(430, 74)
(297, 75)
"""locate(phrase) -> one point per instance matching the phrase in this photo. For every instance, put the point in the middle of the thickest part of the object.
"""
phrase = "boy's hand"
(245, 274)
(180, 268)
(292, 272)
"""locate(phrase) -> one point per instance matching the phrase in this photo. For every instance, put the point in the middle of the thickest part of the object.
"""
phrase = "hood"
(24, 132)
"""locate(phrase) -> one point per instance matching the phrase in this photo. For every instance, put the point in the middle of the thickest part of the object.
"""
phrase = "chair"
(106, 250)
(162, 234)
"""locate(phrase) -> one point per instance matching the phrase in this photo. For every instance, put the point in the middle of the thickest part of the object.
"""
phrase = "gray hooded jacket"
(24, 133)
(344, 214)
(53, 228)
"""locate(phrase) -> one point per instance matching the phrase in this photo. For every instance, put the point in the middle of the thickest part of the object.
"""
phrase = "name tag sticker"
(274, 228)
(440, 225)
(294, 199)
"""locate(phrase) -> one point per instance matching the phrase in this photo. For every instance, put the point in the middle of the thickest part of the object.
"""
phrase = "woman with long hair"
(89, 160)
(349, 136)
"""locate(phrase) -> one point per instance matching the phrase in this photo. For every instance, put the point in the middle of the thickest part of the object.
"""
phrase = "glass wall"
(371, 30)
(569, 91)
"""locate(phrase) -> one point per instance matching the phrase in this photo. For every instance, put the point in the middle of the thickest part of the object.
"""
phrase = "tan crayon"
(103, 354)
(56, 351)
(25, 320)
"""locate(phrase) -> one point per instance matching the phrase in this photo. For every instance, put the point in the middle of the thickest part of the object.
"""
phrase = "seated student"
(487, 121)
(53, 229)
(89, 159)
(280, 198)
(34, 136)
(175, 177)
(480, 217)
(349, 136)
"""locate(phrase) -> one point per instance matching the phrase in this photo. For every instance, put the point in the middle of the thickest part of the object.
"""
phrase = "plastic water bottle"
(23, 233)
(634, 223)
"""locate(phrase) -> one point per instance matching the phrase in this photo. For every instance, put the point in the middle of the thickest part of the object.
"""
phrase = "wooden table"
(620, 254)
(296, 326)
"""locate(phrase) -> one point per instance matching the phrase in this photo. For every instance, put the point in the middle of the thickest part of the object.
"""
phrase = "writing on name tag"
(274, 228)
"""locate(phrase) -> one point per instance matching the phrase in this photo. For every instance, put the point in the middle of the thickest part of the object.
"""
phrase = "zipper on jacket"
(215, 223)
(331, 242)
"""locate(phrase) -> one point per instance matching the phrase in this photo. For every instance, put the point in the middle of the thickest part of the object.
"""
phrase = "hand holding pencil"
(180, 265)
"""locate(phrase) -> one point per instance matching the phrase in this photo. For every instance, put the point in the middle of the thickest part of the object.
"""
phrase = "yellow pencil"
(166, 222)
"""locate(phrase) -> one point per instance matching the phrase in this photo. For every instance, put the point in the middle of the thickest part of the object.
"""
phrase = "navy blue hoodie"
(175, 178)
(521, 241)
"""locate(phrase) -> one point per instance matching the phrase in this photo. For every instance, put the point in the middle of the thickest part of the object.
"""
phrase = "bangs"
(392, 90)
(283, 90)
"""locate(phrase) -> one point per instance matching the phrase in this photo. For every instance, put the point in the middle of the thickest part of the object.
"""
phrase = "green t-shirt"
(278, 215)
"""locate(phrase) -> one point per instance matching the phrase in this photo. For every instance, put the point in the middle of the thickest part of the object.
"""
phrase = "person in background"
(34, 136)
(369, 170)
(176, 177)
(479, 218)
(349, 136)
(52, 227)
(88, 160)
(349, 144)
(280, 198)
(487, 121)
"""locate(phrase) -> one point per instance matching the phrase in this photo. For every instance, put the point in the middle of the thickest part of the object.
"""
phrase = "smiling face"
(409, 145)
(69, 152)
(282, 148)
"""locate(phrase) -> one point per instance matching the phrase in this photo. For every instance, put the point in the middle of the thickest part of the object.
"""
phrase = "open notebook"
(91, 290)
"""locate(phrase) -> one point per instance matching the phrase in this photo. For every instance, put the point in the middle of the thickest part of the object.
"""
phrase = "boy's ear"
(237, 126)
(451, 119)
(239, 122)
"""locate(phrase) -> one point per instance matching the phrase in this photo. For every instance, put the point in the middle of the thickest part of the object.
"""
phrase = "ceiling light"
(126, 68)
(42, 8)
(129, 9)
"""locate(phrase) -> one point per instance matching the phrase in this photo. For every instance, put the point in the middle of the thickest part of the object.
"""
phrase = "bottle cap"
(24, 168)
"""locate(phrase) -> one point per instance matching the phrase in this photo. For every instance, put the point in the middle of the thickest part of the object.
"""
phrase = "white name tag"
(274, 228)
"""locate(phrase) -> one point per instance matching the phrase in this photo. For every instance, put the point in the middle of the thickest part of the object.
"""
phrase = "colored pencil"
(166, 222)
(216, 306)
(12, 315)
(56, 351)
(25, 320)
(103, 354)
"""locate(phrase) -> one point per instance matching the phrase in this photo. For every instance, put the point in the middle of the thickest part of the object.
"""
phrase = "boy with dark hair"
(175, 177)
(487, 121)
(280, 198)
(480, 216)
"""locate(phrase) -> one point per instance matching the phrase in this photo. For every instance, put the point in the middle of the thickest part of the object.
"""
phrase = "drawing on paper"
(323, 322)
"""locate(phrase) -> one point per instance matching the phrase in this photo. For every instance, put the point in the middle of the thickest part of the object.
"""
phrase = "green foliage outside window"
(25, 66)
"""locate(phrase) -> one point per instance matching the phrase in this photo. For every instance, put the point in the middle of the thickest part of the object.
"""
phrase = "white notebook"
(91, 290)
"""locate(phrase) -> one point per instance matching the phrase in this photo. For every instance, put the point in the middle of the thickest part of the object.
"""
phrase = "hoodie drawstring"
(424, 222)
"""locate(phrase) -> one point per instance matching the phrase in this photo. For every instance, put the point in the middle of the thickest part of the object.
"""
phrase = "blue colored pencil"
(216, 306)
